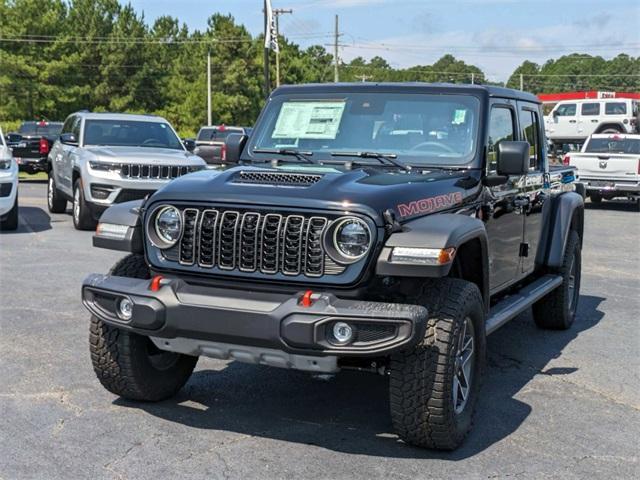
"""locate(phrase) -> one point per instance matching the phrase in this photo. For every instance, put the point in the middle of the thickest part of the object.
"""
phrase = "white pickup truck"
(609, 166)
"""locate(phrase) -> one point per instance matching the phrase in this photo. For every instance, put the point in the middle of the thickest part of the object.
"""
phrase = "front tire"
(82, 218)
(435, 385)
(130, 365)
(557, 310)
(595, 198)
(10, 222)
(56, 203)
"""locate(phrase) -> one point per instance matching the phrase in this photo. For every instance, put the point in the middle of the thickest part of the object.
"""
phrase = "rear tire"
(56, 203)
(612, 130)
(10, 222)
(430, 404)
(130, 365)
(82, 218)
(595, 198)
(557, 310)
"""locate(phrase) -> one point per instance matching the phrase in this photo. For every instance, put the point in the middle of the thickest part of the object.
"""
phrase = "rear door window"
(615, 108)
(590, 109)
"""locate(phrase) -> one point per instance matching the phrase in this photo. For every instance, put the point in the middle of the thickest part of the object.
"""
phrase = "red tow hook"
(156, 283)
(306, 301)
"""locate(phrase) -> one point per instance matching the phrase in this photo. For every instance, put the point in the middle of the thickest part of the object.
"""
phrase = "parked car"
(8, 187)
(575, 120)
(340, 243)
(31, 144)
(210, 142)
(106, 158)
(609, 167)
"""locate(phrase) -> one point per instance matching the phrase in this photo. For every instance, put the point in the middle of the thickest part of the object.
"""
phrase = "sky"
(495, 35)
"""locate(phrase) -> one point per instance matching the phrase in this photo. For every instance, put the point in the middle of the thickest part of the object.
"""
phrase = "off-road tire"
(557, 310)
(56, 203)
(10, 221)
(595, 198)
(82, 218)
(123, 361)
(421, 379)
(612, 130)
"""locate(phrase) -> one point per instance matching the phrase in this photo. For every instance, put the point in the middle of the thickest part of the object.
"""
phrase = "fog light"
(125, 309)
(342, 332)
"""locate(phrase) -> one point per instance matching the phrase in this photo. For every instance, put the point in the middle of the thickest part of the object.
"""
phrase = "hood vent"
(285, 179)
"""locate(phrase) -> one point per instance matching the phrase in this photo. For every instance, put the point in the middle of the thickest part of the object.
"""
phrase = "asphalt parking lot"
(554, 404)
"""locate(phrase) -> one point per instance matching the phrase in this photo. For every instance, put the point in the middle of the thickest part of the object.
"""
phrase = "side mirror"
(189, 144)
(69, 139)
(235, 144)
(513, 158)
(554, 113)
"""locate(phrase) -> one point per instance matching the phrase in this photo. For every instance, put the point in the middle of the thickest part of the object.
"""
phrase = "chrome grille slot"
(207, 238)
(249, 228)
(314, 254)
(270, 248)
(136, 170)
(292, 240)
(188, 240)
(227, 239)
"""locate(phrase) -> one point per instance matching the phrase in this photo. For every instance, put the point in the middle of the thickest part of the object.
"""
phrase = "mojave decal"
(430, 204)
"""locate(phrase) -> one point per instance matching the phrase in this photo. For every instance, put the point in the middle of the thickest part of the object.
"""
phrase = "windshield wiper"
(287, 151)
(389, 158)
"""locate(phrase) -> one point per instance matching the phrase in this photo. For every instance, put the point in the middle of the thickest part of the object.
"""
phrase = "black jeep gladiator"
(379, 227)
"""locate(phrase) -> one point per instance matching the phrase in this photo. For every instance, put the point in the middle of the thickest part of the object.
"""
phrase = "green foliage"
(60, 56)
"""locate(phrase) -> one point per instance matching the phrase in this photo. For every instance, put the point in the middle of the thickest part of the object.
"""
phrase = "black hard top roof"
(489, 90)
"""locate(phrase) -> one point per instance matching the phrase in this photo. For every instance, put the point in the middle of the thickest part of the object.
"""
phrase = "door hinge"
(524, 249)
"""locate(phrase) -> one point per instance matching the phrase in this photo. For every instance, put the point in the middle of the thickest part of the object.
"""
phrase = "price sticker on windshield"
(309, 120)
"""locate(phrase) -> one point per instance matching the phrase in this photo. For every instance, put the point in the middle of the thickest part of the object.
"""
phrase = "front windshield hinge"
(392, 225)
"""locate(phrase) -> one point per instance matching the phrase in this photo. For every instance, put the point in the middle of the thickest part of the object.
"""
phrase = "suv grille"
(277, 178)
(136, 170)
(269, 243)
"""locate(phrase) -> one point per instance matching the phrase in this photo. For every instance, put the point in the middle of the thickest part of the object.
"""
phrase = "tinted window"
(531, 133)
(130, 133)
(566, 110)
(48, 129)
(420, 129)
(613, 145)
(615, 108)
(590, 109)
(216, 135)
(68, 123)
(500, 129)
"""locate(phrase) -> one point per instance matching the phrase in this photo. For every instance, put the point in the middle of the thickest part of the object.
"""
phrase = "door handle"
(594, 121)
(572, 121)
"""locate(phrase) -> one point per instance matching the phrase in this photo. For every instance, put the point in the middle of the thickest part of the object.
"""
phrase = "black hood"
(369, 191)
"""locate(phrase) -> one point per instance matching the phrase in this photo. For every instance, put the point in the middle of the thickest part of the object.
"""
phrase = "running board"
(515, 304)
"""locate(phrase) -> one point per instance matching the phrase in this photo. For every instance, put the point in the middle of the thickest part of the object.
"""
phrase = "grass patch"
(36, 176)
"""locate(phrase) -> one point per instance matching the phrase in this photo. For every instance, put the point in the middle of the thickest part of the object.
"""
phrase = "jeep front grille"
(248, 241)
(163, 172)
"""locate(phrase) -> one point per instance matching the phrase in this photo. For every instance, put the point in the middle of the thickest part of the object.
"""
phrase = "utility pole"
(277, 12)
(473, 78)
(521, 82)
(364, 77)
(209, 88)
(267, 80)
(336, 77)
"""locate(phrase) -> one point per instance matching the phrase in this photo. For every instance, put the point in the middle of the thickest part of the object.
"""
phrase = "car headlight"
(5, 164)
(352, 238)
(168, 226)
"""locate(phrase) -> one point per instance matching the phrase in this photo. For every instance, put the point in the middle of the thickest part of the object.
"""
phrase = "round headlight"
(169, 225)
(352, 238)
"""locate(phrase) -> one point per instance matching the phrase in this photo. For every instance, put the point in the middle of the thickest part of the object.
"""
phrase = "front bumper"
(8, 189)
(258, 327)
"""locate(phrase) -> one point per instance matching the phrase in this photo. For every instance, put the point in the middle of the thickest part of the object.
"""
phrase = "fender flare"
(128, 214)
(567, 211)
(435, 231)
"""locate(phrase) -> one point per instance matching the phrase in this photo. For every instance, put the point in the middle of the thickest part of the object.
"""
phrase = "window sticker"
(459, 116)
(312, 120)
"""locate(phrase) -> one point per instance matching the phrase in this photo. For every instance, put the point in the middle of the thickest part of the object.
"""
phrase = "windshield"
(421, 129)
(613, 145)
(131, 133)
(40, 129)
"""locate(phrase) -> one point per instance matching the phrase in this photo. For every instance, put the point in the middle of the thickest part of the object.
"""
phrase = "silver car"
(106, 158)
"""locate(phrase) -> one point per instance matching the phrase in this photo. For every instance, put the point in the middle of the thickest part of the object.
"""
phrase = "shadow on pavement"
(350, 413)
(31, 220)
(614, 205)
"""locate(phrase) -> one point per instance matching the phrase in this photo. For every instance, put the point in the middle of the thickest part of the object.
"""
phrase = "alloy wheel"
(463, 368)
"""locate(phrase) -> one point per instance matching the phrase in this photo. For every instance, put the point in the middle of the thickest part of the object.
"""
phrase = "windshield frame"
(472, 159)
(180, 146)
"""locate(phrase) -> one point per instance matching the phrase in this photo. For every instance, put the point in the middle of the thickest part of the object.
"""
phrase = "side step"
(515, 304)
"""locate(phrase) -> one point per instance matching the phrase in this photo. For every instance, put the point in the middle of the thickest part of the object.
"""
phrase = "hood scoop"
(285, 179)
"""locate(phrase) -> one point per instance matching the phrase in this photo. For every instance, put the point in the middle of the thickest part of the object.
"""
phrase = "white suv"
(573, 121)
